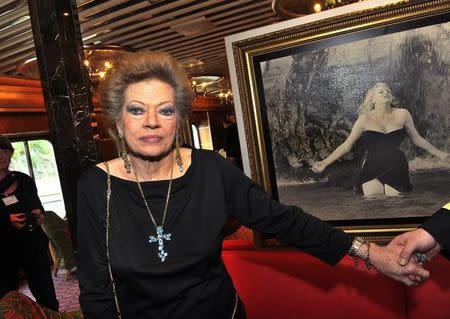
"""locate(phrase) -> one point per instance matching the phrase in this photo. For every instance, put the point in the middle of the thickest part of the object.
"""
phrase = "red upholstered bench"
(432, 299)
(238, 244)
(292, 284)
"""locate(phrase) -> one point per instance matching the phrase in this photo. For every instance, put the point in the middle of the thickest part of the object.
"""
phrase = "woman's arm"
(96, 297)
(419, 140)
(33, 202)
(344, 148)
(253, 207)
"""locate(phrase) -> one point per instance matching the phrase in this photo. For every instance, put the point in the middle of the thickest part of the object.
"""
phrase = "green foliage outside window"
(45, 172)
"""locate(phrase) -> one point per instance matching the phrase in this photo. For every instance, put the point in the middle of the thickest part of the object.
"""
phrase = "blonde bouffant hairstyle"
(367, 105)
(137, 67)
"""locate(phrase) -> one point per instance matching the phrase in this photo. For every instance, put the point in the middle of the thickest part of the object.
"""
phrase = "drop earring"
(178, 158)
(124, 154)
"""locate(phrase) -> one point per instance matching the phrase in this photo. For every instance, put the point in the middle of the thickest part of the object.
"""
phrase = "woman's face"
(382, 95)
(5, 159)
(148, 120)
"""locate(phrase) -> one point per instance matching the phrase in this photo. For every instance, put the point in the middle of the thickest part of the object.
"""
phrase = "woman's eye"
(168, 111)
(135, 110)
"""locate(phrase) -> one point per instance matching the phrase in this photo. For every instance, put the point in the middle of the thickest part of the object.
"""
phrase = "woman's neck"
(149, 170)
(382, 109)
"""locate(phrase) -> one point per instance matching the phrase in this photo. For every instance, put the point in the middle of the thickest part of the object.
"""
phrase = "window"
(195, 135)
(37, 159)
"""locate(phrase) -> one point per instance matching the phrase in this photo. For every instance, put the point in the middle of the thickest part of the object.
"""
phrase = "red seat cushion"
(238, 244)
(292, 284)
(432, 299)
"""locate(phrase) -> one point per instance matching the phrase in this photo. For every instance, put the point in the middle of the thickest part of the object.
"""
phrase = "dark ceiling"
(191, 30)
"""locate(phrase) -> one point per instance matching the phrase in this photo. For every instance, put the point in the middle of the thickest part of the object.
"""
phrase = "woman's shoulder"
(202, 155)
(362, 121)
(21, 177)
(212, 161)
(401, 111)
(18, 174)
(208, 160)
(113, 166)
(92, 175)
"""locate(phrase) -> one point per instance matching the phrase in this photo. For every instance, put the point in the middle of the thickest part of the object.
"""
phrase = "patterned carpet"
(67, 291)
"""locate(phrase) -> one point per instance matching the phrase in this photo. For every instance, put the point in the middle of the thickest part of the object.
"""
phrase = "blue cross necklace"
(160, 236)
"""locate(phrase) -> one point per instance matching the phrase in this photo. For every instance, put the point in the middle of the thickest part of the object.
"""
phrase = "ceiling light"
(317, 7)
(191, 63)
(193, 27)
(89, 37)
(297, 8)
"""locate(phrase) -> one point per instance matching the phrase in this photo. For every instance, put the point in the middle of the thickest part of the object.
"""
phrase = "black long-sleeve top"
(26, 200)
(192, 282)
(438, 226)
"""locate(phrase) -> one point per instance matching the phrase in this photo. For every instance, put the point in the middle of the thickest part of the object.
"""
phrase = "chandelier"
(98, 61)
(211, 85)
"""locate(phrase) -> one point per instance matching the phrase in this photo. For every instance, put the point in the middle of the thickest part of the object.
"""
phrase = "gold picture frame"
(252, 53)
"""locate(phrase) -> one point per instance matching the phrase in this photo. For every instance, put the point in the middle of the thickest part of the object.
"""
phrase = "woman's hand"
(318, 167)
(39, 216)
(17, 220)
(418, 240)
(385, 260)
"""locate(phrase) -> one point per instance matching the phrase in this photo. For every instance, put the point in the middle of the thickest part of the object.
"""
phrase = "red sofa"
(290, 284)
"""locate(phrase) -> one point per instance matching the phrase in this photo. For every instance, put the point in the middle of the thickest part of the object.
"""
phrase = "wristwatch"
(356, 245)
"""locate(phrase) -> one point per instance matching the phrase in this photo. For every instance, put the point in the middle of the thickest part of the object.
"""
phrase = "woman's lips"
(151, 138)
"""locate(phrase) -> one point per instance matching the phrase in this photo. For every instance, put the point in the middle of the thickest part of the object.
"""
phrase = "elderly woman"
(381, 128)
(150, 222)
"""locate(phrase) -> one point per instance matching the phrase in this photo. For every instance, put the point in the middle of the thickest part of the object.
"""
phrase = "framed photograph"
(303, 88)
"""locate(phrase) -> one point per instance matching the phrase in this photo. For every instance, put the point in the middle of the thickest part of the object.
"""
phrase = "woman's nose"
(152, 119)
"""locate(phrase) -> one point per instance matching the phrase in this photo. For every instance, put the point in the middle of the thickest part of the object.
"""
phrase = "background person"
(432, 237)
(381, 127)
(231, 144)
(150, 222)
(23, 243)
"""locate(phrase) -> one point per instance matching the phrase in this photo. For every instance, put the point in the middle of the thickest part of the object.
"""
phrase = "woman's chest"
(190, 229)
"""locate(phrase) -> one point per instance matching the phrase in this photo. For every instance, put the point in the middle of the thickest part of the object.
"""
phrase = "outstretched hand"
(418, 240)
(318, 167)
(384, 259)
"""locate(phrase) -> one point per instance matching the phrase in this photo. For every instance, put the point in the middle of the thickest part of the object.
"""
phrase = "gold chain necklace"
(160, 236)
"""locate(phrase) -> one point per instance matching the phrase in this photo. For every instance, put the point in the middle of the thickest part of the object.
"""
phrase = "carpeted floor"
(67, 291)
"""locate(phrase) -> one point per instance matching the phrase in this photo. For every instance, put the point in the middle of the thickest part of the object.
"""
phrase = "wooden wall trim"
(202, 103)
(19, 81)
(20, 95)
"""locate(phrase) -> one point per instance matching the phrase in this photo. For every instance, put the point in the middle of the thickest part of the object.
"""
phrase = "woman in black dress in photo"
(381, 128)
